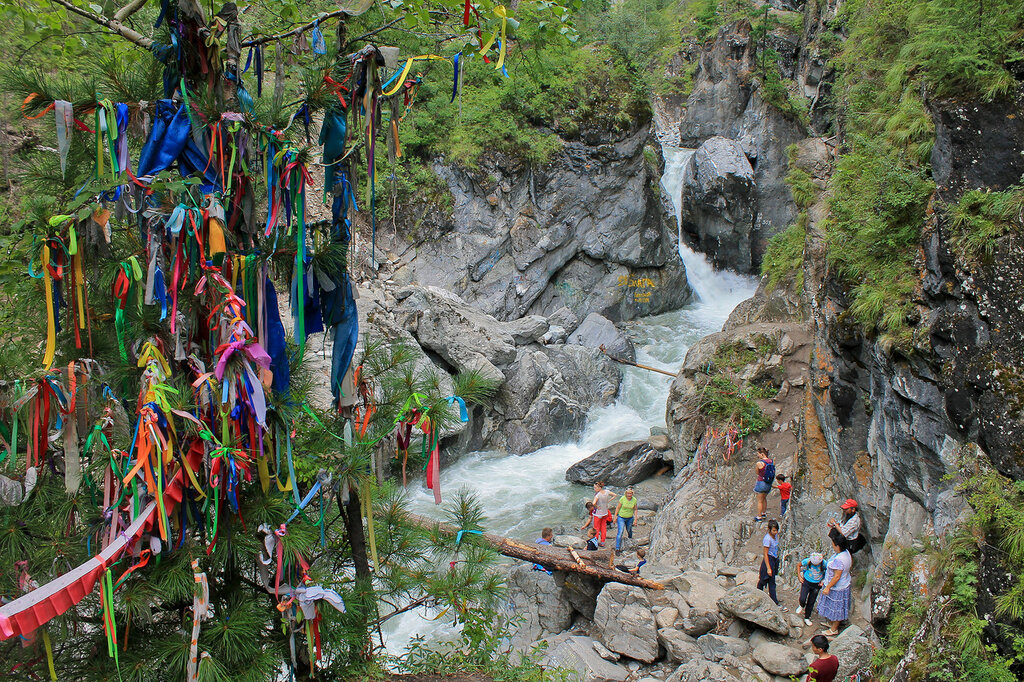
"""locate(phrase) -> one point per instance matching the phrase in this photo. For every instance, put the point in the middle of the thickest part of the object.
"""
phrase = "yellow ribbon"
(503, 13)
(408, 65)
(51, 331)
(49, 655)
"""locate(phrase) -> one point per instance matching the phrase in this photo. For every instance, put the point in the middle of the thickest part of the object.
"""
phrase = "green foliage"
(980, 217)
(726, 403)
(963, 647)
(784, 257)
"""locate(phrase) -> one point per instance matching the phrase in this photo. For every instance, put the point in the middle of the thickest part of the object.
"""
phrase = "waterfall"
(719, 290)
(522, 494)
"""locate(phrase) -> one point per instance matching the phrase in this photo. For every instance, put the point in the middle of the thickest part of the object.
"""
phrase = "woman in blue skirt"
(834, 605)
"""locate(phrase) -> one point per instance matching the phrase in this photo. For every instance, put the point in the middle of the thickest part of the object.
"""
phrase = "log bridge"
(555, 558)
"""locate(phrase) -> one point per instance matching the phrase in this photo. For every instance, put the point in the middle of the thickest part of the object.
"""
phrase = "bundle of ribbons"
(168, 473)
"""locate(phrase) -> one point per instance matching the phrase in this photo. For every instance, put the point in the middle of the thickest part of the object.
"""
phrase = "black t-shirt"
(823, 670)
(592, 544)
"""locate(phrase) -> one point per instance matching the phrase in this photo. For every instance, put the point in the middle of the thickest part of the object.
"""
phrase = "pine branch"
(114, 25)
(294, 31)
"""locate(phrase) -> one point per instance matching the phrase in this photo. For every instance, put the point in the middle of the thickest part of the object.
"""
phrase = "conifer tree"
(173, 505)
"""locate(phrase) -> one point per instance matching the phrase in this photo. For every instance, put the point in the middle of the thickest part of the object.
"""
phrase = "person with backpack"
(811, 573)
(765, 478)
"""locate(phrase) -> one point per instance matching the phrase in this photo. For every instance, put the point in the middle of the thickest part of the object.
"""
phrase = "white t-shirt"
(842, 561)
(603, 498)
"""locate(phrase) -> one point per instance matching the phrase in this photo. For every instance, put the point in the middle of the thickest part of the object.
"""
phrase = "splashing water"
(523, 494)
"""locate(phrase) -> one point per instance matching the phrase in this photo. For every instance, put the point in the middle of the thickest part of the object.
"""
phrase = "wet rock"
(577, 654)
(754, 606)
(617, 465)
(779, 659)
(718, 210)
(716, 647)
(623, 622)
(596, 331)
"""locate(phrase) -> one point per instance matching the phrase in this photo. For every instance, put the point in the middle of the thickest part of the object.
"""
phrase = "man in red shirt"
(826, 666)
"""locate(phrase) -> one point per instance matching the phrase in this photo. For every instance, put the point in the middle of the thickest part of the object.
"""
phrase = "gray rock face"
(540, 602)
(624, 623)
(577, 654)
(696, 622)
(617, 465)
(581, 591)
(701, 671)
(716, 647)
(679, 647)
(718, 203)
(853, 650)
(725, 102)
(754, 606)
(701, 591)
(573, 233)
(779, 659)
(464, 338)
(547, 394)
(596, 331)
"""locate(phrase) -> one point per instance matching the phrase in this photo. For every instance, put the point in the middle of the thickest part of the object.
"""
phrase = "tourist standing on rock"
(826, 666)
(765, 476)
(849, 526)
(770, 561)
(785, 492)
(602, 513)
(625, 513)
(811, 574)
(835, 595)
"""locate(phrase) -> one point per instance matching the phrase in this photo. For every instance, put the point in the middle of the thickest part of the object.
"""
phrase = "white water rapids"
(523, 494)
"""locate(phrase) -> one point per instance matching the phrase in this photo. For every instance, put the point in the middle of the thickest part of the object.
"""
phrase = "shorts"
(762, 487)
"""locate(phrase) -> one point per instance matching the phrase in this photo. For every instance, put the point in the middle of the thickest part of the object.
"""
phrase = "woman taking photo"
(834, 604)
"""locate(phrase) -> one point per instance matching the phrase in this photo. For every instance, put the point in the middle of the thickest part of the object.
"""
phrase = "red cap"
(849, 504)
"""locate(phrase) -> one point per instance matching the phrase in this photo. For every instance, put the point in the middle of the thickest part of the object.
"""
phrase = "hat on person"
(849, 504)
(817, 558)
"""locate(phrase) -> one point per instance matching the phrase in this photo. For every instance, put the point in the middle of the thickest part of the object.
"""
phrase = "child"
(640, 554)
(546, 537)
(590, 516)
(592, 545)
(785, 490)
(811, 573)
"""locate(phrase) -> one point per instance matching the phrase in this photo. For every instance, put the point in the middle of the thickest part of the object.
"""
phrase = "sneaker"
(808, 621)
(785, 609)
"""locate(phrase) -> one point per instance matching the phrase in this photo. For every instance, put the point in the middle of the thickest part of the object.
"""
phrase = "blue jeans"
(764, 580)
(785, 505)
(624, 524)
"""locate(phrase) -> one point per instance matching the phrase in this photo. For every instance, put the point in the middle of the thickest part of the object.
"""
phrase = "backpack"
(769, 470)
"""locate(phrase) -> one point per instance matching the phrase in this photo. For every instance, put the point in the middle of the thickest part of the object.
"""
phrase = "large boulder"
(718, 204)
(617, 465)
(577, 654)
(624, 623)
(596, 331)
(853, 650)
(581, 591)
(462, 336)
(754, 606)
(696, 622)
(701, 671)
(780, 659)
(540, 602)
(701, 590)
(679, 647)
(716, 647)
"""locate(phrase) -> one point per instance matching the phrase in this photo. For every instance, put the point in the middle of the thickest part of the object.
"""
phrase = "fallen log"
(549, 556)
